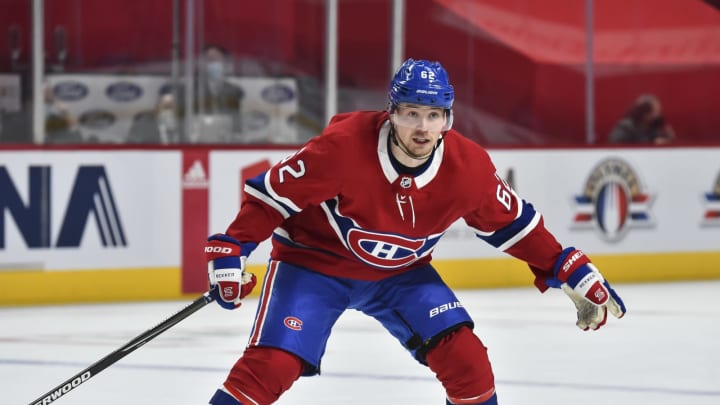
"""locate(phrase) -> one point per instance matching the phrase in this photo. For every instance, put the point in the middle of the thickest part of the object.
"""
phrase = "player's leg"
(460, 362)
(296, 312)
(421, 311)
(259, 377)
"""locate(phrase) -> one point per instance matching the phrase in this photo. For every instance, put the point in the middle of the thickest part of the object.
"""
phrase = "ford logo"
(70, 90)
(278, 93)
(97, 119)
(124, 91)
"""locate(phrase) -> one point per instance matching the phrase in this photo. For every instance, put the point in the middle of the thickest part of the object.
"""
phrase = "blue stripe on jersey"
(258, 183)
(499, 237)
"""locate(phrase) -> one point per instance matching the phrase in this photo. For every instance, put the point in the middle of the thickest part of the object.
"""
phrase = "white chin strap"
(449, 123)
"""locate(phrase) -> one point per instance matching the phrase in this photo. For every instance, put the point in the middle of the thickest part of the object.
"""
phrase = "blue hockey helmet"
(421, 82)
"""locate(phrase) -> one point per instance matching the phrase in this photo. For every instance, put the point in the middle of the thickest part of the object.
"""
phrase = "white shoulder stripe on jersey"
(277, 196)
(520, 235)
(267, 200)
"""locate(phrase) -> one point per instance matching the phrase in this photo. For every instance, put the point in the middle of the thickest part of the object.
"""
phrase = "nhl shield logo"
(613, 201)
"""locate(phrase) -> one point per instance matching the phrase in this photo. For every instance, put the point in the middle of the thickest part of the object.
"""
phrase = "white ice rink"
(665, 351)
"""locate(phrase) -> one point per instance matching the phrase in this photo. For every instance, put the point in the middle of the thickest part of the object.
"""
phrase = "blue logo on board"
(70, 90)
(91, 197)
(278, 93)
(124, 91)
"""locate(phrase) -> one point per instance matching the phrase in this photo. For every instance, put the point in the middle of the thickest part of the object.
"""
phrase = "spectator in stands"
(60, 124)
(217, 100)
(59, 130)
(158, 126)
(643, 123)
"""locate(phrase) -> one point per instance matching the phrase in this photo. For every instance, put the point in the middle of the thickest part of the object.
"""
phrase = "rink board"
(116, 285)
(123, 224)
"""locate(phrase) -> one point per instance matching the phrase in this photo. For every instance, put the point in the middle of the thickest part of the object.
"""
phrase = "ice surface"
(665, 351)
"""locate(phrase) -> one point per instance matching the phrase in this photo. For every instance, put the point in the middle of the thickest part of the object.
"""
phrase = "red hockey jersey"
(341, 207)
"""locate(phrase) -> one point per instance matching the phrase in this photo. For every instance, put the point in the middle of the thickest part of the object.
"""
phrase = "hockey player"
(354, 216)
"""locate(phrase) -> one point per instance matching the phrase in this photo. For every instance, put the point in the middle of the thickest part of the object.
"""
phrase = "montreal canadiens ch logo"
(613, 201)
(293, 323)
(383, 251)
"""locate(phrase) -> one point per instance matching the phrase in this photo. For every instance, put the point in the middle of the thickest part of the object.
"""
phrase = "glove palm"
(586, 287)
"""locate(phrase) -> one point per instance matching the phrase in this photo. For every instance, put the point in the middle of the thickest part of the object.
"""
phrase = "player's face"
(418, 128)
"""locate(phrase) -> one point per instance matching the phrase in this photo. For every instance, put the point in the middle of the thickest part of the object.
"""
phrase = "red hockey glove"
(229, 283)
(590, 292)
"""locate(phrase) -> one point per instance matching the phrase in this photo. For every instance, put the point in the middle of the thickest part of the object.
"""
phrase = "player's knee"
(460, 362)
(261, 375)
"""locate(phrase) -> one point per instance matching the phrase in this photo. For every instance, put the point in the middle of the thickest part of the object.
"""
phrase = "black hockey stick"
(100, 365)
